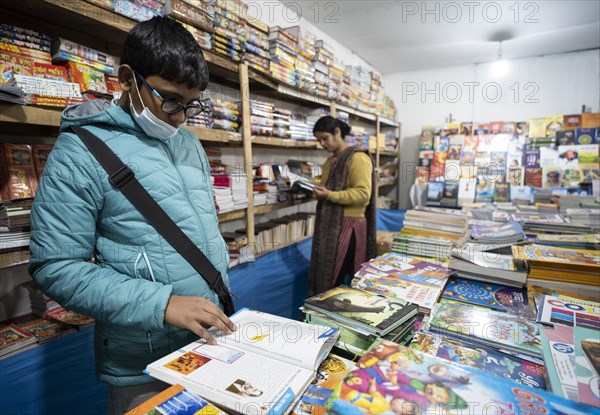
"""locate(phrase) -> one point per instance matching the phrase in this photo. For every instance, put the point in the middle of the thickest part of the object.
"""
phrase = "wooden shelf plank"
(388, 122)
(260, 210)
(233, 215)
(25, 114)
(270, 250)
(211, 135)
(355, 112)
(285, 142)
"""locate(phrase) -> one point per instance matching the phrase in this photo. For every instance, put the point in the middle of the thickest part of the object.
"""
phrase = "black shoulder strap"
(123, 178)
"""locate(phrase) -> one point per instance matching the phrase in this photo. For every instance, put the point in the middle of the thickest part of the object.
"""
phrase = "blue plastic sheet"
(390, 220)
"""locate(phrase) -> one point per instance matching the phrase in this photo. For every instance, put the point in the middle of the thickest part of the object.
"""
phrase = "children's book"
(175, 400)
(507, 232)
(488, 327)
(393, 379)
(371, 312)
(262, 368)
(585, 260)
(13, 339)
(330, 374)
(497, 297)
(488, 360)
(45, 330)
(559, 357)
(586, 365)
(569, 311)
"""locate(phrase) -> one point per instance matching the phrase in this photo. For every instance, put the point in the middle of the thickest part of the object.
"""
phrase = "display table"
(59, 377)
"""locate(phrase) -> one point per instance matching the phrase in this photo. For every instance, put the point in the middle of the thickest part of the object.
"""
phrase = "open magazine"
(262, 368)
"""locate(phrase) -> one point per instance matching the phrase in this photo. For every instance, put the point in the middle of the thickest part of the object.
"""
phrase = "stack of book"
(15, 229)
(44, 330)
(405, 277)
(585, 217)
(226, 115)
(548, 222)
(549, 263)
(282, 47)
(500, 234)
(431, 232)
(45, 307)
(14, 340)
(238, 188)
(281, 123)
(256, 47)
(472, 261)
(361, 317)
(230, 30)
(577, 241)
(261, 118)
(237, 243)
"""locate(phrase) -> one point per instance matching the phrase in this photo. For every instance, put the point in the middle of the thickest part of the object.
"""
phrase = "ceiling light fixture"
(500, 67)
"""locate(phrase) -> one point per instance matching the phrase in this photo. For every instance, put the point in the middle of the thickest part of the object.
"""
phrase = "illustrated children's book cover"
(372, 312)
(330, 374)
(486, 359)
(175, 400)
(493, 328)
(588, 382)
(392, 379)
(497, 297)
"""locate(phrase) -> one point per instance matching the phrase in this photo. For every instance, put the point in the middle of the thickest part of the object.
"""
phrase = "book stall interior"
(480, 291)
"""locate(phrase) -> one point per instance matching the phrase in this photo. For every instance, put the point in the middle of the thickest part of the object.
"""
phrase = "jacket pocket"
(142, 267)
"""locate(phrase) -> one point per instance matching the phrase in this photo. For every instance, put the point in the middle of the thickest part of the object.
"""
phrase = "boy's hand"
(320, 192)
(193, 313)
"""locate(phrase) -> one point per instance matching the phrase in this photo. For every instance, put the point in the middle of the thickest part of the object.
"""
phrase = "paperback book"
(262, 368)
(587, 343)
(569, 311)
(559, 357)
(371, 312)
(488, 327)
(393, 379)
(488, 360)
(175, 400)
(497, 297)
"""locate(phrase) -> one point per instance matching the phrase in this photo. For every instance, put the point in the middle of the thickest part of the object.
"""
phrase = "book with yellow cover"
(175, 400)
(582, 260)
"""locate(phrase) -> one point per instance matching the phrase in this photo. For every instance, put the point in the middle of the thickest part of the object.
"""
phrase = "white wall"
(534, 87)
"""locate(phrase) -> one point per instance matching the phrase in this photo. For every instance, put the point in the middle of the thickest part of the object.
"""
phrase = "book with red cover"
(19, 181)
(40, 156)
(572, 121)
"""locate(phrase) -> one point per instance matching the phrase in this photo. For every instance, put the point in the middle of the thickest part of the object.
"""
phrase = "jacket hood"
(98, 111)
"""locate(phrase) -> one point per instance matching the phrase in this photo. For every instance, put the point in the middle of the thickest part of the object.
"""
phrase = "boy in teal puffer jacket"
(146, 298)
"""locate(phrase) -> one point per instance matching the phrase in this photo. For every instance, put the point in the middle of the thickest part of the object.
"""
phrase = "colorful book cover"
(481, 129)
(585, 136)
(20, 170)
(510, 229)
(497, 297)
(467, 158)
(591, 350)
(450, 195)
(515, 176)
(422, 175)
(559, 356)
(11, 335)
(523, 193)
(454, 152)
(426, 139)
(588, 382)
(569, 311)
(557, 257)
(485, 142)
(470, 143)
(485, 189)
(515, 160)
(533, 177)
(175, 400)
(435, 192)
(590, 120)
(568, 157)
(56, 72)
(532, 158)
(411, 269)
(441, 144)
(12, 64)
(375, 313)
(522, 128)
(572, 121)
(466, 128)
(554, 123)
(393, 379)
(589, 173)
(537, 127)
(516, 143)
(488, 360)
(502, 192)
(466, 190)
(588, 154)
(565, 138)
(330, 374)
(496, 127)
(493, 328)
(44, 330)
(40, 153)
(552, 176)
(498, 163)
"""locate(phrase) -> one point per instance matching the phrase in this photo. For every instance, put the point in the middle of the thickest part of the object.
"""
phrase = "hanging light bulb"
(500, 67)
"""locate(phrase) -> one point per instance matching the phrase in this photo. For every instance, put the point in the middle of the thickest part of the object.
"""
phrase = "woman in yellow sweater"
(344, 235)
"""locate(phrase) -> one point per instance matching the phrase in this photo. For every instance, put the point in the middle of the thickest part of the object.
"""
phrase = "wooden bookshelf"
(386, 181)
(284, 142)
(285, 245)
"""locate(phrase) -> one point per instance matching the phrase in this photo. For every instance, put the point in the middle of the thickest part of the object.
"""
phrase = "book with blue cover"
(392, 379)
(486, 359)
(487, 327)
(508, 232)
(497, 297)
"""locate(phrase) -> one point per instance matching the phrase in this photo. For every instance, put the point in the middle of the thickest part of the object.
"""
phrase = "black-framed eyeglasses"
(169, 106)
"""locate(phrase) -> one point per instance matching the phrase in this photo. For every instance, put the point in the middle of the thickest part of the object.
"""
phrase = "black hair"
(328, 124)
(163, 47)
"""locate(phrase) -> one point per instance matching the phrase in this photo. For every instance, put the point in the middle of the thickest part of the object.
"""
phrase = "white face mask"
(150, 123)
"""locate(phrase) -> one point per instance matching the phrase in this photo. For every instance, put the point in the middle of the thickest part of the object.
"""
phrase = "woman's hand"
(320, 192)
(193, 313)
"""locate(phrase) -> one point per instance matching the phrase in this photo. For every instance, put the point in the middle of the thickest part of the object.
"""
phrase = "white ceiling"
(400, 36)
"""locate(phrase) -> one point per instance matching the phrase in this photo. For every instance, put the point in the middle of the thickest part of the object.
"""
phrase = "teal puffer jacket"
(78, 215)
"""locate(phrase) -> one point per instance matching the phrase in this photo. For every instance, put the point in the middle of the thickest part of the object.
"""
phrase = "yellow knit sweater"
(355, 197)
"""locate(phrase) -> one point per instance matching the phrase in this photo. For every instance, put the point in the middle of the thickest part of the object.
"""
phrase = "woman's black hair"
(328, 124)
(163, 47)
